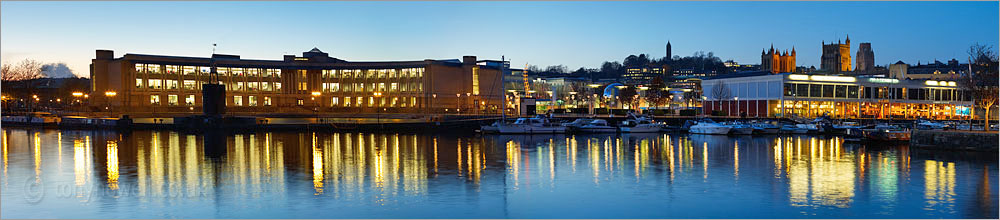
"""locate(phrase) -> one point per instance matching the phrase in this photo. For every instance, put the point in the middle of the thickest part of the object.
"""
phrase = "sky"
(574, 34)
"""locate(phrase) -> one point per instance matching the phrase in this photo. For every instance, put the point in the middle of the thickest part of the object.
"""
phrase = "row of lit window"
(204, 70)
(374, 102)
(373, 87)
(867, 92)
(251, 101)
(373, 73)
(196, 85)
(171, 100)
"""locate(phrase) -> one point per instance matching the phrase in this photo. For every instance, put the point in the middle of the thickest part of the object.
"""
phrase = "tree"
(628, 95)
(27, 69)
(657, 97)
(720, 91)
(981, 81)
(611, 70)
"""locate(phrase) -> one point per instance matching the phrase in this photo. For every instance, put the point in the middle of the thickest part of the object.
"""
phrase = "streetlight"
(110, 95)
(315, 103)
(378, 112)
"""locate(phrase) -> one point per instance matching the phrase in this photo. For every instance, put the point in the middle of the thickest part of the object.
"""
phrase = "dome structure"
(611, 91)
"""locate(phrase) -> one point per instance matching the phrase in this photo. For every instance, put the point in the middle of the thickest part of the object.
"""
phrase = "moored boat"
(707, 126)
(536, 125)
(598, 126)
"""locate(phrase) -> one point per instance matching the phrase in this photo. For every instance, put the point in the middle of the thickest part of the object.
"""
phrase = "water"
(164, 174)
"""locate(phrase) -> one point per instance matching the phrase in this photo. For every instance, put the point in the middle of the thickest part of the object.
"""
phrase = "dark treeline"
(699, 62)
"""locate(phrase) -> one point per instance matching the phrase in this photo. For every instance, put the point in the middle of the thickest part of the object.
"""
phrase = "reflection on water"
(334, 175)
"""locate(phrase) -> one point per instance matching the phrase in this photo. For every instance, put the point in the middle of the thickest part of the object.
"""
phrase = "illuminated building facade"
(801, 95)
(314, 83)
(644, 75)
(935, 71)
(777, 61)
(836, 57)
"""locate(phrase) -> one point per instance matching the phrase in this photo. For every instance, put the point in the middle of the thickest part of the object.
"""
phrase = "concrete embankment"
(956, 140)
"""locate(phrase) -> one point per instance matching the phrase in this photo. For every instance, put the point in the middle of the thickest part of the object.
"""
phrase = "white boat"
(492, 128)
(930, 125)
(810, 128)
(598, 126)
(765, 128)
(576, 124)
(793, 129)
(536, 125)
(739, 128)
(639, 124)
(707, 126)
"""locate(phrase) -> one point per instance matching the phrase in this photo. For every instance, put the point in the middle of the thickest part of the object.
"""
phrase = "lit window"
(302, 86)
(189, 84)
(347, 101)
(299, 102)
(253, 72)
(172, 69)
(371, 101)
(393, 87)
(189, 100)
(266, 86)
(334, 87)
(334, 101)
(140, 68)
(277, 86)
(138, 83)
(171, 84)
(239, 86)
(475, 80)
(381, 87)
(223, 71)
(205, 70)
(154, 99)
(238, 100)
(171, 99)
(155, 84)
(188, 70)
(267, 101)
(236, 71)
(413, 101)
(253, 100)
(153, 68)
(393, 103)
(252, 86)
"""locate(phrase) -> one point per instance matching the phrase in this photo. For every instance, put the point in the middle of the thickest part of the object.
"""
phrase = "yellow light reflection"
(112, 165)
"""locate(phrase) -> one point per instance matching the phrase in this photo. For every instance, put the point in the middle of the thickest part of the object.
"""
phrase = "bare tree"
(27, 69)
(981, 81)
(720, 91)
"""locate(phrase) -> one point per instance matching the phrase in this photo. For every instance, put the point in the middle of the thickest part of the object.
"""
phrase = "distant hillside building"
(866, 58)
(776, 61)
(644, 74)
(836, 57)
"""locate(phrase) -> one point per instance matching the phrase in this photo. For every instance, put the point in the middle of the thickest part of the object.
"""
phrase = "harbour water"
(166, 174)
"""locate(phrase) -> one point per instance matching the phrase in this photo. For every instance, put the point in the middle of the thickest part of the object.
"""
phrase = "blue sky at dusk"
(574, 34)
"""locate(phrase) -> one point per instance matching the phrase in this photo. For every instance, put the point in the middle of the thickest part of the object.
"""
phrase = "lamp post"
(378, 112)
(110, 95)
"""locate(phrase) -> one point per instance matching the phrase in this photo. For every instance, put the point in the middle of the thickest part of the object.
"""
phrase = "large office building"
(801, 95)
(644, 74)
(313, 83)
